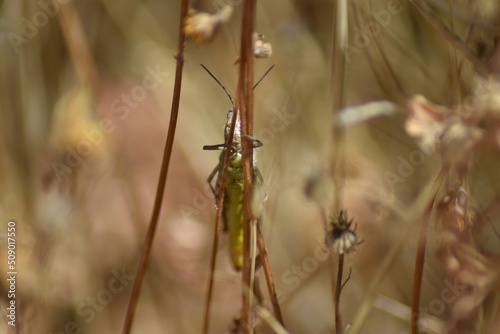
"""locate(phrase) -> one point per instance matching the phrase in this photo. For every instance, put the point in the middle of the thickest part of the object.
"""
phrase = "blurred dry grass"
(80, 225)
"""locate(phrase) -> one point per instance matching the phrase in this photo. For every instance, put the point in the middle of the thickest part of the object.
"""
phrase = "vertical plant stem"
(418, 274)
(340, 45)
(338, 85)
(338, 290)
(420, 258)
(146, 251)
(245, 97)
(269, 276)
(453, 55)
(218, 222)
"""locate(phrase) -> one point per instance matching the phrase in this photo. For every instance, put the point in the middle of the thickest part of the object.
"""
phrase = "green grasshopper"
(232, 210)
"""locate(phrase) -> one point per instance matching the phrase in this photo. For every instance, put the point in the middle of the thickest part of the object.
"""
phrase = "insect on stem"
(229, 190)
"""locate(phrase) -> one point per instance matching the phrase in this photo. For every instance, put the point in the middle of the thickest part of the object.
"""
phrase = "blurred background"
(86, 92)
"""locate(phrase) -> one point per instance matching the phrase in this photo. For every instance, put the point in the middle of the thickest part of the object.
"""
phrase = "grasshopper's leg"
(209, 180)
(255, 142)
(215, 191)
(217, 147)
(258, 176)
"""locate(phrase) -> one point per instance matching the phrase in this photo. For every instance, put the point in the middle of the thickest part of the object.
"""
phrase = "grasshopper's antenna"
(229, 95)
(213, 76)
(262, 78)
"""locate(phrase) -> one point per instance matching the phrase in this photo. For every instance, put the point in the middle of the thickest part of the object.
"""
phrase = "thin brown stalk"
(338, 290)
(245, 99)
(218, 223)
(338, 82)
(420, 258)
(146, 251)
(453, 58)
(338, 78)
(269, 276)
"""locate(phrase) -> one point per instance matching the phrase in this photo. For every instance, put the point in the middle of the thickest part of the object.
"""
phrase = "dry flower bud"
(342, 239)
(261, 49)
(425, 121)
(201, 27)
(456, 209)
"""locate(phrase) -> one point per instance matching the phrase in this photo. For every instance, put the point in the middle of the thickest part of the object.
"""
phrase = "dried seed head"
(456, 209)
(261, 49)
(426, 122)
(201, 27)
(342, 239)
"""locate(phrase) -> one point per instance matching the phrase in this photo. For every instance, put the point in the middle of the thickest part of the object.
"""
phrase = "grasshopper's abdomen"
(233, 208)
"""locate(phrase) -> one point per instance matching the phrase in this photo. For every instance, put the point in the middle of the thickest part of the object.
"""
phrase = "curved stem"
(148, 242)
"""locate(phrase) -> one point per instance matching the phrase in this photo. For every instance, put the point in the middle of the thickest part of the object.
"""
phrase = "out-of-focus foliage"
(85, 98)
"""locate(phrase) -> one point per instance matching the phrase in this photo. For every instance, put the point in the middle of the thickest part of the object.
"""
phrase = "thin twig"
(269, 276)
(338, 290)
(420, 258)
(347, 279)
(218, 222)
(245, 101)
(453, 59)
(338, 78)
(338, 82)
(146, 251)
